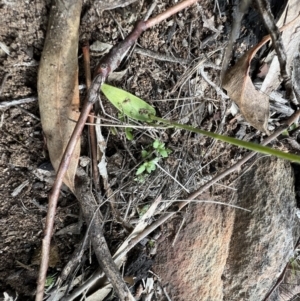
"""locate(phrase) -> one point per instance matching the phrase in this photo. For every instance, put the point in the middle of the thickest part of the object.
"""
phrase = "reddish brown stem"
(112, 60)
(93, 142)
(169, 12)
(86, 64)
(91, 119)
(54, 194)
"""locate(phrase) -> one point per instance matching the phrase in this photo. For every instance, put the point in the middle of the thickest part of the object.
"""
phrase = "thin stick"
(169, 12)
(161, 56)
(6, 75)
(91, 118)
(7, 104)
(91, 215)
(53, 197)
(172, 177)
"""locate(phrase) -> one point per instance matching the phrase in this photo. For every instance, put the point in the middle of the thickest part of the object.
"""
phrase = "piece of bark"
(262, 241)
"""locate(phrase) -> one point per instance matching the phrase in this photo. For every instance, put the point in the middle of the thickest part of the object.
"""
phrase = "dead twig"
(91, 118)
(238, 15)
(11, 103)
(296, 75)
(268, 19)
(161, 56)
(6, 75)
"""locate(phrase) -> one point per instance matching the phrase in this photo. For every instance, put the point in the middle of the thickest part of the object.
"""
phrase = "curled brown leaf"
(58, 83)
(254, 105)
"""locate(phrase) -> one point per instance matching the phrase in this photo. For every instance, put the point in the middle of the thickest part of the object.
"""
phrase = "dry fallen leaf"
(58, 83)
(254, 105)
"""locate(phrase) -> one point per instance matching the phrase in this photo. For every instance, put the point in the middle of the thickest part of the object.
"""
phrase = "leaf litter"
(139, 82)
(254, 104)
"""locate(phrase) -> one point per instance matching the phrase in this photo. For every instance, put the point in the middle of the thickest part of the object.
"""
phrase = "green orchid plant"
(138, 109)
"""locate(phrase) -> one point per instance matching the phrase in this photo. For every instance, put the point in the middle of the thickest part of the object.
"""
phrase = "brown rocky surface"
(226, 254)
(193, 267)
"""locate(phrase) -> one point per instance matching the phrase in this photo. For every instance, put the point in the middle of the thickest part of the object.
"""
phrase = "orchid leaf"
(128, 104)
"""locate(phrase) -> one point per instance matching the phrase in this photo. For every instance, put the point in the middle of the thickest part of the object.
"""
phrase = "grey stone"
(262, 240)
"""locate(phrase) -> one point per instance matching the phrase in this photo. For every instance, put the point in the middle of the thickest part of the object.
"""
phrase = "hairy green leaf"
(128, 104)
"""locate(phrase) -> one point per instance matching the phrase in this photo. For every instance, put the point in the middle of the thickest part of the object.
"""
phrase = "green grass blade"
(248, 145)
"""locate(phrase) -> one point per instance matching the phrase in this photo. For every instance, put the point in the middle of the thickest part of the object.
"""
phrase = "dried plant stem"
(169, 12)
(238, 15)
(53, 197)
(107, 65)
(91, 118)
(15, 102)
(269, 22)
(3, 81)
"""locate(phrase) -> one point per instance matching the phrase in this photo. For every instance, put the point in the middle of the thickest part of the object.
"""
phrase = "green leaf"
(241, 143)
(144, 153)
(151, 167)
(128, 133)
(128, 103)
(156, 144)
(141, 169)
(164, 153)
(138, 109)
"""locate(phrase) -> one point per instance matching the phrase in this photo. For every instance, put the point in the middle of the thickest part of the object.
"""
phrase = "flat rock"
(262, 241)
(228, 254)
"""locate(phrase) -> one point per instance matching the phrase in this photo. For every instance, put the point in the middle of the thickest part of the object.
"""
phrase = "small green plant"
(151, 243)
(147, 166)
(139, 110)
(142, 210)
(50, 280)
(159, 151)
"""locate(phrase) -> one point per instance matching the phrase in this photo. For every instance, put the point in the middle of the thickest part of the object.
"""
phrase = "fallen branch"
(92, 216)
(106, 66)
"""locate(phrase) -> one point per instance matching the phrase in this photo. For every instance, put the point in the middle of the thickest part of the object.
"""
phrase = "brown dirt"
(22, 29)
